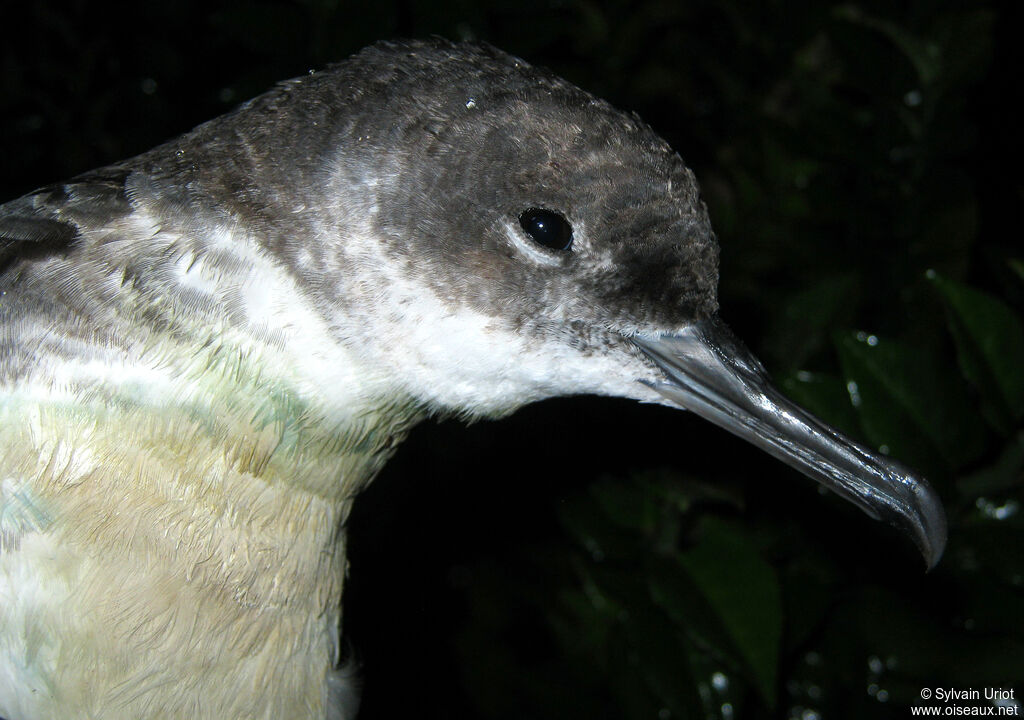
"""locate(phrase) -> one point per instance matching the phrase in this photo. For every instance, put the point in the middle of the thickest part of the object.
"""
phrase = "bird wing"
(49, 220)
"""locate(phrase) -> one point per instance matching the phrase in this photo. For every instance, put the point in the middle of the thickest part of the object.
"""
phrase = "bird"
(208, 350)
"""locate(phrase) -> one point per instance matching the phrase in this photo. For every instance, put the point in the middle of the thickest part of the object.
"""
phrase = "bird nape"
(208, 349)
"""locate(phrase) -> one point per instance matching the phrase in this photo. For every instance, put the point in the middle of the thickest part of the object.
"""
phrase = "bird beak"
(709, 371)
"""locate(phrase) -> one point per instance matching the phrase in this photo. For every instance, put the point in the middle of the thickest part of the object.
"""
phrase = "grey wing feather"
(50, 309)
(49, 220)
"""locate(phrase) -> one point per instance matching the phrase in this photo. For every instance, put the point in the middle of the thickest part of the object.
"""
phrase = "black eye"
(547, 228)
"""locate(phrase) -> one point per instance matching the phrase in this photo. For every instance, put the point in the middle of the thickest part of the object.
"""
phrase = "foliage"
(665, 603)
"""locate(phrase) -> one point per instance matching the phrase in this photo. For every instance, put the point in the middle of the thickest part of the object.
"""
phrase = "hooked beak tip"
(930, 530)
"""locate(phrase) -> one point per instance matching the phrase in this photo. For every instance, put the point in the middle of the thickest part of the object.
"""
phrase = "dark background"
(596, 558)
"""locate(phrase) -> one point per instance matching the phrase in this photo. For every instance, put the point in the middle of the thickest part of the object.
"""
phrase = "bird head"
(490, 235)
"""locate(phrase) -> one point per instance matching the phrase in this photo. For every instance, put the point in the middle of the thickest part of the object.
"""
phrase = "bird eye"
(547, 228)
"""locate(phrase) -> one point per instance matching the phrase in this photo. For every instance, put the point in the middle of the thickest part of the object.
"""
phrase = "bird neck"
(187, 499)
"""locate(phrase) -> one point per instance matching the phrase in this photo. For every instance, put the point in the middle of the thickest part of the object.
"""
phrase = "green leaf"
(1018, 268)
(654, 646)
(744, 592)
(802, 328)
(807, 593)
(911, 404)
(996, 477)
(601, 536)
(626, 505)
(676, 593)
(926, 57)
(989, 339)
(990, 547)
(663, 657)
